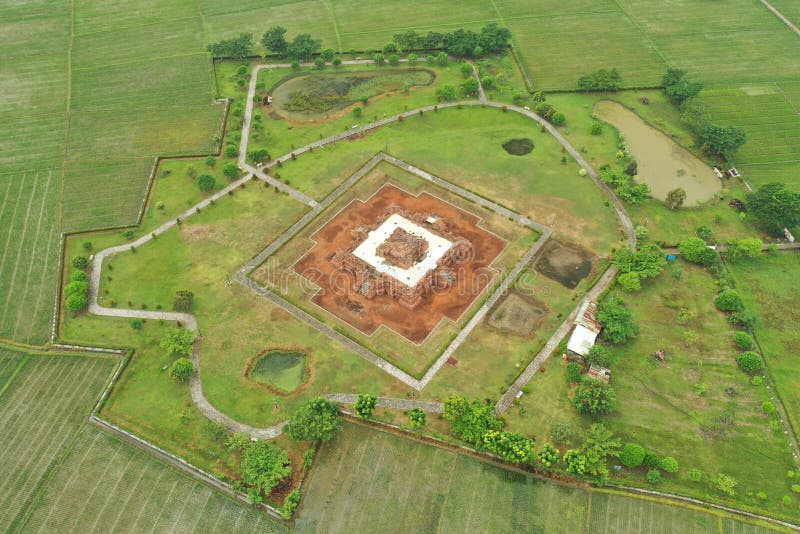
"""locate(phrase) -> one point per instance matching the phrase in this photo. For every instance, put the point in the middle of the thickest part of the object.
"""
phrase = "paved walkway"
(388, 402)
(780, 15)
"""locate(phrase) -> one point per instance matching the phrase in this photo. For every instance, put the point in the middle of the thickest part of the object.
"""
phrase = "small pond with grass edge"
(664, 165)
(281, 370)
(518, 147)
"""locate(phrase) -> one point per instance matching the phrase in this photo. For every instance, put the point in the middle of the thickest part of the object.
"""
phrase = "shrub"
(560, 432)
(696, 250)
(596, 128)
(78, 276)
(653, 476)
(632, 455)
(573, 372)
(205, 182)
(599, 355)
(417, 417)
(787, 501)
(726, 484)
(630, 281)
(336, 61)
(231, 151)
(293, 499)
(575, 462)
(78, 287)
(230, 170)
(319, 63)
(767, 407)
(696, 475)
(80, 262)
(379, 59)
(548, 456)
(729, 300)
(210, 161)
(594, 397)
(469, 421)
(750, 361)
(181, 370)
(669, 464)
(558, 118)
(87, 246)
(796, 488)
(183, 301)
(137, 324)
(510, 446)
(365, 405)
(743, 340)
(177, 342)
(652, 460)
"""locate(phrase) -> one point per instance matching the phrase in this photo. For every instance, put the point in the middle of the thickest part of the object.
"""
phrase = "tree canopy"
(647, 262)
(316, 421)
(696, 250)
(600, 80)
(469, 421)
(264, 464)
(177, 341)
(238, 47)
(594, 397)
(617, 320)
(274, 39)
(303, 47)
(678, 88)
(774, 207)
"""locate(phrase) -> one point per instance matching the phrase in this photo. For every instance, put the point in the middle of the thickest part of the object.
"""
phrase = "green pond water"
(314, 96)
(664, 165)
(280, 369)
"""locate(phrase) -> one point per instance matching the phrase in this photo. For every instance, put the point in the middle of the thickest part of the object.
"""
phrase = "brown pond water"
(664, 165)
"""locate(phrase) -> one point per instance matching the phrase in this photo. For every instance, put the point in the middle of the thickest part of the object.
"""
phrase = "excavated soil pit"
(518, 314)
(518, 147)
(566, 263)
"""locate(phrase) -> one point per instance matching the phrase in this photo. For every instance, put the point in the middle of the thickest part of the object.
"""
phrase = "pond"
(283, 370)
(664, 165)
(518, 147)
(308, 97)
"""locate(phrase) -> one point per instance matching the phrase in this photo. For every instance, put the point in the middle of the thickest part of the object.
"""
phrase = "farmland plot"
(104, 485)
(28, 254)
(40, 412)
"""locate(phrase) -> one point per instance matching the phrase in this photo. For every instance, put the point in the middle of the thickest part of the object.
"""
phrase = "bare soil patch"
(518, 314)
(566, 263)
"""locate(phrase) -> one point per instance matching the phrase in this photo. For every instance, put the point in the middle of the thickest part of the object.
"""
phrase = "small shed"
(599, 373)
(581, 340)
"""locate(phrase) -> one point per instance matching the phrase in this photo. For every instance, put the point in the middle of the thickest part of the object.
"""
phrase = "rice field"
(28, 254)
(366, 480)
(104, 485)
(41, 410)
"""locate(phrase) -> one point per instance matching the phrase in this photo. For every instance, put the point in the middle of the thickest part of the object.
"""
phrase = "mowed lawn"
(43, 402)
(28, 254)
(104, 485)
(769, 286)
(371, 481)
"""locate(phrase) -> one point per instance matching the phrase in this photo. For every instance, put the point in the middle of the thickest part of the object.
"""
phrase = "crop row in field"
(28, 254)
(104, 485)
(370, 480)
(40, 411)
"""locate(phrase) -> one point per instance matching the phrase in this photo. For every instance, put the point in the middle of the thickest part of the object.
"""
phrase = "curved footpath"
(189, 320)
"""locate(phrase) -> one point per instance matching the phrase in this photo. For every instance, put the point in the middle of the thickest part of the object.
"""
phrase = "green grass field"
(43, 402)
(366, 480)
(104, 485)
(769, 286)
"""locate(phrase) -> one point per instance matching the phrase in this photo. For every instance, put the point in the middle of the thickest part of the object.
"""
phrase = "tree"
(669, 464)
(319, 63)
(205, 182)
(80, 262)
(365, 405)
(743, 340)
(230, 170)
(678, 88)
(594, 397)
(632, 455)
(316, 421)
(466, 69)
(460, 43)
(389, 48)
(573, 372)
(696, 250)
(750, 362)
(493, 38)
(412, 58)
(258, 156)
(235, 47)
(336, 62)
(181, 370)
(274, 39)
(774, 207)
(721, 141)
(264, 464)
(648, 261)
(630, 281)
(641, 232)
(431, 40)
(357, 111)
(510, 446)
(596, 128)
(469, 87)
(726, 484)
(599, 355)
(575, 462)
(705, 233)
(303, 47)
(441, 59)
(748, 247)
(78, 276)
(211, 161)
(617, 320)
(599, 444)
(407, 40)
(417, 417)
(470, 421)
(487, 82)
(76, 302)
(675, 198)
(379, 59)
(394, 60)
(600, 80)
(729, 300)
(76, 287)
(231, 151)
(548, 456)
(327, 54)
(446, 93)
(183, 301)
(177, 342)
(558, 118)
